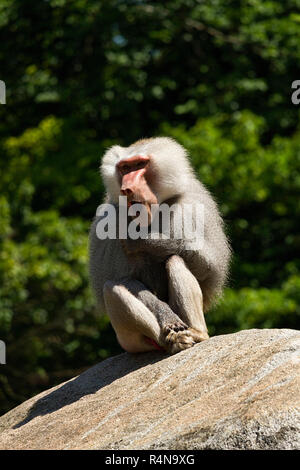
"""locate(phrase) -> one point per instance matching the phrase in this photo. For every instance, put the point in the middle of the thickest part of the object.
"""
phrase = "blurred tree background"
(82, 75)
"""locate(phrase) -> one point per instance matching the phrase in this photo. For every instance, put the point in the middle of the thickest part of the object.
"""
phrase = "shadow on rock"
(90, 382)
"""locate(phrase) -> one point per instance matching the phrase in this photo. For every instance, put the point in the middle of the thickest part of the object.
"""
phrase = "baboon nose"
(126, 191)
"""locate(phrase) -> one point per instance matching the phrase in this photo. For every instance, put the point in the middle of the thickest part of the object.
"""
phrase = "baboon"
(156, 290)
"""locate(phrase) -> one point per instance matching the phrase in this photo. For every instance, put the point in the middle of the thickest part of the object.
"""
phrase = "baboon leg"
(185, 295)
(142, 322)
(135, 325)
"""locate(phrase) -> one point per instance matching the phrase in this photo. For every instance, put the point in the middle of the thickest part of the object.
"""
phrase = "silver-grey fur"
(159, 289)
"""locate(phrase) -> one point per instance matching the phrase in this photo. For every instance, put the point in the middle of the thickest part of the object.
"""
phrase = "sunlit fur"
(169, 162)
(147, 287)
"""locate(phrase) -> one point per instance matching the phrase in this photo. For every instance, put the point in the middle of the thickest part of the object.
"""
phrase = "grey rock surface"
(236, 391)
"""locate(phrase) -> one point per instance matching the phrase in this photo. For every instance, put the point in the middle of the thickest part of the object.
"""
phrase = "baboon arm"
(199, 261)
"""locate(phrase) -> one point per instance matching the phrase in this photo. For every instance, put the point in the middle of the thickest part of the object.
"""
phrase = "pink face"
(135, 176)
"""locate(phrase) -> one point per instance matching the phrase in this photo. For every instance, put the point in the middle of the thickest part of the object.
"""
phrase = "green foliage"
(257, 187)
(47, 312)
(257, 308)
(85, 74)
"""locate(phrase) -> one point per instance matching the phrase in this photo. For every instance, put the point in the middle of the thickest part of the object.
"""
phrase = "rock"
(236, 391)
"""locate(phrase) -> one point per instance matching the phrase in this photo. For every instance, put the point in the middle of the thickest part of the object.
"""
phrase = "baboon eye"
(140, 165)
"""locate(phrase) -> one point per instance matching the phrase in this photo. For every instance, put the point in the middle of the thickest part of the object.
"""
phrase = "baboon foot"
(178, 336)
